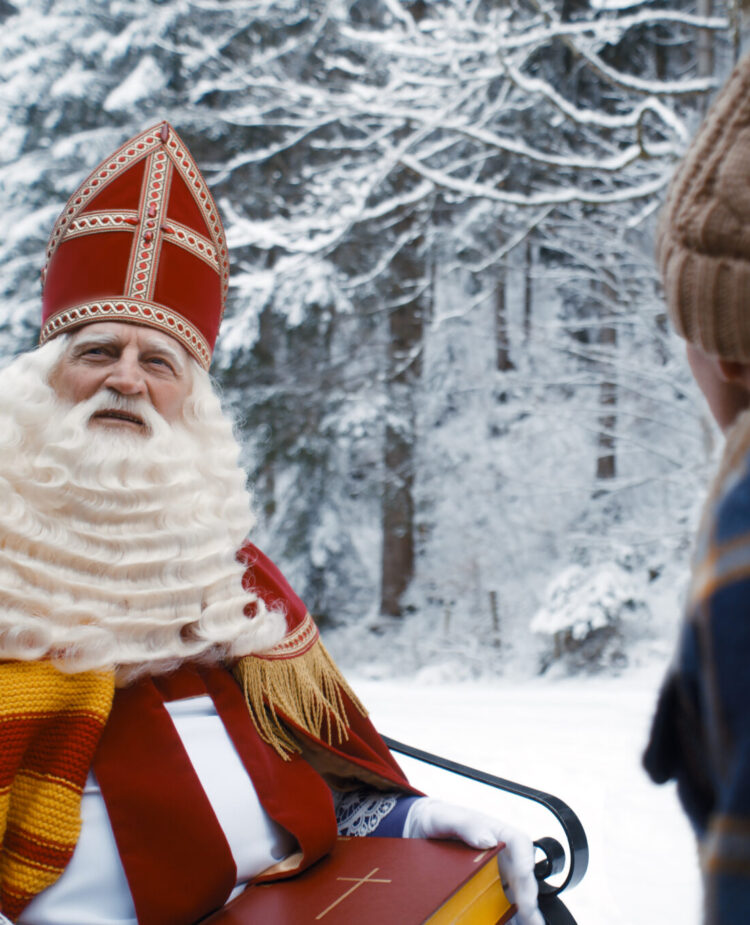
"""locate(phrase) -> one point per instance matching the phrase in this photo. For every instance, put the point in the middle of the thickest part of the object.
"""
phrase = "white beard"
(117, 550)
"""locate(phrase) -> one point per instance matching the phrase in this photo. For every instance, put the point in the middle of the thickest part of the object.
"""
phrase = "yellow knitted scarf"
(50, 724)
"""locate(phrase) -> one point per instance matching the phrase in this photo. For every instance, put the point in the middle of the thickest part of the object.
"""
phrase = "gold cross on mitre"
(356, 884)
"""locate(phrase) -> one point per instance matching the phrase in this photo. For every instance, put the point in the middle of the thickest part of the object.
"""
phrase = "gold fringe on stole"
(305, 686)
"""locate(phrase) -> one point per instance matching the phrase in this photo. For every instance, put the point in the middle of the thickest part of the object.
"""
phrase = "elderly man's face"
(127, 360)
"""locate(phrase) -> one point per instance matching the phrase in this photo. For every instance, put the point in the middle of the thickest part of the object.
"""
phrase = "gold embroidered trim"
(96, 222)
(128, 220)
(187, 168)
(190, 240)
(107, 171)
(144, 255)
(296, 643)
(140, 312)
(307, 690)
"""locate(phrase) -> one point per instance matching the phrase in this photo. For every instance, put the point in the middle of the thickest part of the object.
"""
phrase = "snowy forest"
(472, 439)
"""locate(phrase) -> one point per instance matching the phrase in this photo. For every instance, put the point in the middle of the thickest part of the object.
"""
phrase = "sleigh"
(372, 880)
(567, 866)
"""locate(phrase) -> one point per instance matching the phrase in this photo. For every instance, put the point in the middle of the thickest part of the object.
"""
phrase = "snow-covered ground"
(580, 739)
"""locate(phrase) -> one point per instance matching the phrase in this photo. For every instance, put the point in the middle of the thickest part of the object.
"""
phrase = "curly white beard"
(118, 550)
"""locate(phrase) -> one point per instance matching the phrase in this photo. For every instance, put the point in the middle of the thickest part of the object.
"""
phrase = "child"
(701, 731)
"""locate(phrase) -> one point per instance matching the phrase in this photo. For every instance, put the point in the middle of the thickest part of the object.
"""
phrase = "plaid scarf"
(701, 729)
(50, 724)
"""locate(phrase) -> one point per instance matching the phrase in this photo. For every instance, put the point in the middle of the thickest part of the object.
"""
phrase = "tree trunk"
(502, 337)
(528, 289)
(405, 329)
(705, 51)
(606, 461)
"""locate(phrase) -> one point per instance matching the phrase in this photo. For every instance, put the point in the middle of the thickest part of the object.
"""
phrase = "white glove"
(430, 818)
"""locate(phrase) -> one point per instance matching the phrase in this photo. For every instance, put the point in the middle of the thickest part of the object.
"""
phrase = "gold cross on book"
(357, 881)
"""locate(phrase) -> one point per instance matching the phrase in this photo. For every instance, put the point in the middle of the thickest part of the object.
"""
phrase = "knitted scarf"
(50, 724)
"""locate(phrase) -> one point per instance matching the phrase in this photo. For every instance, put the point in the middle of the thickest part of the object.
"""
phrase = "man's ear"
(735, 372)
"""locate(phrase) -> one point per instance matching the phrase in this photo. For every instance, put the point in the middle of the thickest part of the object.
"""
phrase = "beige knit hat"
(703, 239)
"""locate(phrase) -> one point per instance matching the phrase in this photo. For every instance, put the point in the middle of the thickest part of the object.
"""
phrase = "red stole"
(176, 859)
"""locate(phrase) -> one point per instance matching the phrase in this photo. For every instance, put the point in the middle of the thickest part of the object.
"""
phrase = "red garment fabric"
(265, 578)
(176, 858)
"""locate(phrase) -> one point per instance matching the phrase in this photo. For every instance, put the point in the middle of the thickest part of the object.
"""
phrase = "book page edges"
(480, 901)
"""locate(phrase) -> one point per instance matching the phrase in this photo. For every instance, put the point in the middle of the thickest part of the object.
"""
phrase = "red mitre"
(140, 241)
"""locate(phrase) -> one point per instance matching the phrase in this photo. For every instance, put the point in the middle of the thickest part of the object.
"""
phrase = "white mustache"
(136, 408)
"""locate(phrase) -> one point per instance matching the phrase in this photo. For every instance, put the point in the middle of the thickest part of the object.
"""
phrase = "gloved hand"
(430, 818)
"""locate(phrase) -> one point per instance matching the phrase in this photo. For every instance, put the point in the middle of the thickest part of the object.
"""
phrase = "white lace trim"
(360, 812)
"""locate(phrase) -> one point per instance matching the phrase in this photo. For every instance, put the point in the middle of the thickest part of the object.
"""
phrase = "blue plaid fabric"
(701, 730)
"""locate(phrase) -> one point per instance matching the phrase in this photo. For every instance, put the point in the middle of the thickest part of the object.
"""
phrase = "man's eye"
(160, 361)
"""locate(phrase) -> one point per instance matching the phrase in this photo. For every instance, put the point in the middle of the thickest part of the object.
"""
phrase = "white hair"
(119, 550)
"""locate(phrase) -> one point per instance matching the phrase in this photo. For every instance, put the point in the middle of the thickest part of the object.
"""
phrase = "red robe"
(177, 861)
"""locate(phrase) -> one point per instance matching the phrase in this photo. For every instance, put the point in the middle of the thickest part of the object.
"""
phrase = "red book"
(372, 881)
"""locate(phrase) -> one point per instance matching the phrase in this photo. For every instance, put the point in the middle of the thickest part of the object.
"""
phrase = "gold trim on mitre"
(298, 679)
(151, 314)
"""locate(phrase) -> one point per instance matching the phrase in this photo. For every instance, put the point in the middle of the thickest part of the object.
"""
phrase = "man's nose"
(126, 376)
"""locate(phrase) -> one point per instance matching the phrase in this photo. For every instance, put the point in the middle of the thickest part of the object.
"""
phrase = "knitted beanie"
(703, 238)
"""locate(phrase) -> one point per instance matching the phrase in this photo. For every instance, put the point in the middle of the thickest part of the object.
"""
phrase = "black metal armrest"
(554, 858)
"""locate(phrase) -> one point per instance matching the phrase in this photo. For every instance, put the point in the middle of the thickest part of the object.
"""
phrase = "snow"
(579, 739)
(144, 80)
(582, 602)
(75, 82)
